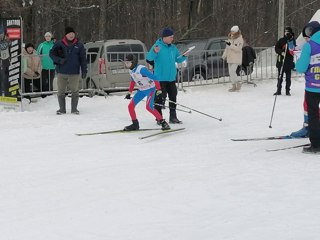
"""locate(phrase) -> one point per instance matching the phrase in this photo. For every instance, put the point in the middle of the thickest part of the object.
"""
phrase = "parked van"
(106, 70)
(204, 61)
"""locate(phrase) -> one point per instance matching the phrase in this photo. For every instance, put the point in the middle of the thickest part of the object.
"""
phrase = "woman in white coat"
(233, 55)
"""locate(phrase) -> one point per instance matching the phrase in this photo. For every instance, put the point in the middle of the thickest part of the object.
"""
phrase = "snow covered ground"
(190, 185)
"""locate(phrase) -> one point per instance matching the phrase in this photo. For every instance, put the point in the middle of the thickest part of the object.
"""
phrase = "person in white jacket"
(233, 55)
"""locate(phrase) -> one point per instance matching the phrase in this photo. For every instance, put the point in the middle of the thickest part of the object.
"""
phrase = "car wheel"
(198, 76)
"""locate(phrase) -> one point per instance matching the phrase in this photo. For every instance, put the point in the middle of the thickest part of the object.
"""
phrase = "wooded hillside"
(144, 19)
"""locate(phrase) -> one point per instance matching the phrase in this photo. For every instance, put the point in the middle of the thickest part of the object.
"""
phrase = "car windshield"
(184, 45)
(118, 52)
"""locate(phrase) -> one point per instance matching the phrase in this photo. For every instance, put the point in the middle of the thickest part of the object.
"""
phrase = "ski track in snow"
(193, 184)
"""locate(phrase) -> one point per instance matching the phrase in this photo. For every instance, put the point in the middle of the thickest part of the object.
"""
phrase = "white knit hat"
(234, 29)
(48, 34)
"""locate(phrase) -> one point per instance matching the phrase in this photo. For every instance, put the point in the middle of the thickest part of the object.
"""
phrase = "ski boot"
(134, 126)
(164, 125)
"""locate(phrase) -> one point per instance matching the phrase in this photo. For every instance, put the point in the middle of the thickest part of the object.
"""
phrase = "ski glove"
(158, 96)
(128, 96)
(83, 75)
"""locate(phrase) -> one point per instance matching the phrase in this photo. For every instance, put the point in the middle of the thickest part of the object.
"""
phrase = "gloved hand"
(158, 96)
(283, 53)
(128, 96)
(291, 52)
(84, 75)
(228, 43)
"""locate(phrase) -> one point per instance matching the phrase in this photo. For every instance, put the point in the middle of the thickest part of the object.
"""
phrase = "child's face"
(30, 50)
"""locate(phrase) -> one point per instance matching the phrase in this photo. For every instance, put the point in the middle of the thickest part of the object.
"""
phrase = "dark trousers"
(4, 84)
(170, 89)
(313, 100)
(280, 80)
(31, 85)
(47, 79)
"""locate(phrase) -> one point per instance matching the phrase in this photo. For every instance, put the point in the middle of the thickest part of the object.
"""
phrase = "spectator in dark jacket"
(284, 48)
(69, 55)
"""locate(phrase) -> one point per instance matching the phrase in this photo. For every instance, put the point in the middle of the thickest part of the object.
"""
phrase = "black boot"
(133, 126)
(164, 125)
(288, 93)
(173, 117)
(277, 93)
(62, 105)
(74, 105)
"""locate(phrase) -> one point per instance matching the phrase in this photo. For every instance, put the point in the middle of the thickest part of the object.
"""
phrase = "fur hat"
(166, 32)
(235, 29)
(69, 30)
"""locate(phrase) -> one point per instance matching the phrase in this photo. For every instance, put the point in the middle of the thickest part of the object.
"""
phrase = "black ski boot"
(164, 125)
(133, 126)
(311, 150)
(173, 117)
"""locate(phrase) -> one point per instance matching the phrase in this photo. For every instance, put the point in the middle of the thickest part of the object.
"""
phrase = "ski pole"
(181, 110)
(220, 119)
(274, 104)
(280, 76)
(161, 105)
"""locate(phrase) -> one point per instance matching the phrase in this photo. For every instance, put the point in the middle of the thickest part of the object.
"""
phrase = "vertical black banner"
(10, 61)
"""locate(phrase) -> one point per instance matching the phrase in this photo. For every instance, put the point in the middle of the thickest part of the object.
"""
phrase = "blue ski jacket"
(165, 61)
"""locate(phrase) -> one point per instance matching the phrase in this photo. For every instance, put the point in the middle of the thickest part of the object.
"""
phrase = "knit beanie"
(288, 29)
(69, 30)
(48, 34)
(166, 32)
(234, 29)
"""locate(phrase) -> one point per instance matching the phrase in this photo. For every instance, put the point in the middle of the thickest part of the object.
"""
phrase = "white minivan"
(106, 70)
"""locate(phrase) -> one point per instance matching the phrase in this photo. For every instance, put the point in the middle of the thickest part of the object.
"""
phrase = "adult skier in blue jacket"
(165, 55)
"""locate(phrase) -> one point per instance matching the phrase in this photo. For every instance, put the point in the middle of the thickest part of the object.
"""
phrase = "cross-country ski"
(117, 131)
(162, 132)
(266, 138)
(286, 148)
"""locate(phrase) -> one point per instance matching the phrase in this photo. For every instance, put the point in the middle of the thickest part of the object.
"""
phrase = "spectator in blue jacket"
(165, 54)
(309, 64)
(69, 55)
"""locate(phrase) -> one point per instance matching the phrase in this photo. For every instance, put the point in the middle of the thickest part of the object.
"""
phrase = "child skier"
(309, 64)
(304, 131)
(147, 87)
